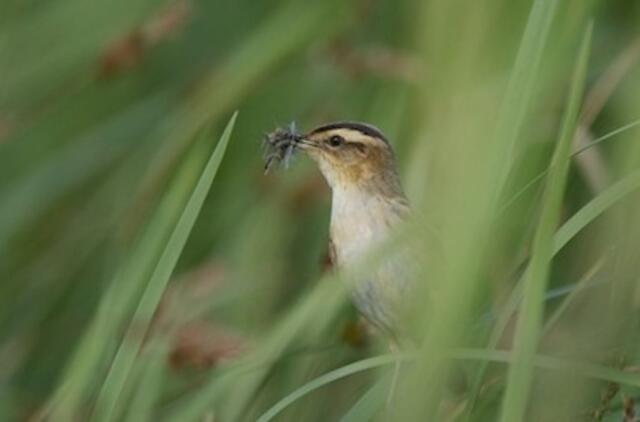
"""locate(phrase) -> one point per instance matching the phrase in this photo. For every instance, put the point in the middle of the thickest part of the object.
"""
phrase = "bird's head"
(353, 155)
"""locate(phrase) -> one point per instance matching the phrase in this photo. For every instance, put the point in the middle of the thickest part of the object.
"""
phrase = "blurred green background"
(109, 112)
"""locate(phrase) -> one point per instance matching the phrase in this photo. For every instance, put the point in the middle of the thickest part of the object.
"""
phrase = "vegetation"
(150, 270)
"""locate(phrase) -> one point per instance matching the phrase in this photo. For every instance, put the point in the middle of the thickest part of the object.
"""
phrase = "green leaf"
(585, 369)
(149, 387)
(520, 377)
(120, 299)
(244, 377)
(126, 355)
(326, 379)
(518, 97)
(369, 404)
(540, 176)
(585, 216)
(515, 104)
(595, 208)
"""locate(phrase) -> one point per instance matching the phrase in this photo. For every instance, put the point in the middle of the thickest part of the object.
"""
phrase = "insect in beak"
(280, 145)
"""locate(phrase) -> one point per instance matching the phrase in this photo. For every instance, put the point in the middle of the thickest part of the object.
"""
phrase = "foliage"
(151, 271)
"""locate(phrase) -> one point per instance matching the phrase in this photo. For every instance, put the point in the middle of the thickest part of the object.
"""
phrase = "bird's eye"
(336, 141)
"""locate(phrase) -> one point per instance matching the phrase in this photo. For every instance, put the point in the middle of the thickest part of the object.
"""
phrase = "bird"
(368, 203)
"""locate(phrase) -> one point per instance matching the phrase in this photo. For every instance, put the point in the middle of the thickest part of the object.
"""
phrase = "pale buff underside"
(360, 223)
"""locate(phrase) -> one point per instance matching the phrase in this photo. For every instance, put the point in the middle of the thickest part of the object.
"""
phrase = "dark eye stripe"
(359, 146)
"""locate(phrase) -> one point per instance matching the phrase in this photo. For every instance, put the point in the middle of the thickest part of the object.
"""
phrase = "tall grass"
(529, 324)
(150, 271)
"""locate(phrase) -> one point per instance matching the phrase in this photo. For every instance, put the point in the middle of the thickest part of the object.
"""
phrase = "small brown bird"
(367, 202)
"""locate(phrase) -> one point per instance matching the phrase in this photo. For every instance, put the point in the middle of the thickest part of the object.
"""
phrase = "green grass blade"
(574, 225)
(520, 90)
(520, 377)
(120, 298)
(607, 136)
(515, 104)
(149, 386)
(575, 292)
(579, 151)
(586, 369)
(326, 379)
(132, 342)
(84, 158)
(369, 404)
(595, 208)
(245, 376)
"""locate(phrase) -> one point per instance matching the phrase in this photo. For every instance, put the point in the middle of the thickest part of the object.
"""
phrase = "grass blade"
(132, 342)
(121, 296)
(369, 404)
(150, 383)
(574, 225)
(326, 379)
(247, 374)
(595, 208)
(521, 84)
(585, 369)
(577, 152)
(578, 287)
(528, 327)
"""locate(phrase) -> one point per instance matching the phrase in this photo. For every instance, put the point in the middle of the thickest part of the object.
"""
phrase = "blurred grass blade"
(149, 386)
(607, 136)
(520, 89)
(574, 225)
(577, 152)
(520, 377)
(120, 298)
(595, 208)
(326, 379)
(586, 369)
(515, 104)
(85, 157)
(578, 287)
(132, 342)
(369, 404)
(327, 298)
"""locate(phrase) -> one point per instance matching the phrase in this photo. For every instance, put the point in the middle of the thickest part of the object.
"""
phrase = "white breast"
(359, 222)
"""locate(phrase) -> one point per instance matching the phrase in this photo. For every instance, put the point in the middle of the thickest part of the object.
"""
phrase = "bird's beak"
(310, 147)
(306, 144)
